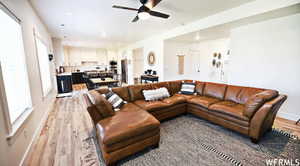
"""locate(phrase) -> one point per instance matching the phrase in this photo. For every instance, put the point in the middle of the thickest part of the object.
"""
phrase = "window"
(14, 83)
(45, 74)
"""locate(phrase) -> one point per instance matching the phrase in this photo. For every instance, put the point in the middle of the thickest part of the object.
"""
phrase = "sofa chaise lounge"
(249, 111)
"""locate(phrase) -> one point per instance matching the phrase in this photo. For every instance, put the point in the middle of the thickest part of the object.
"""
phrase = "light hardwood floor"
(66, 138)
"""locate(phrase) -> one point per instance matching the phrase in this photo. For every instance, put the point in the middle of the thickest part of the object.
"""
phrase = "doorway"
(124, 70)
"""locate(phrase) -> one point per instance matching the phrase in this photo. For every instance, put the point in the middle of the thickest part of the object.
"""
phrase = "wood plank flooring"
(66, 139)
(287, 125)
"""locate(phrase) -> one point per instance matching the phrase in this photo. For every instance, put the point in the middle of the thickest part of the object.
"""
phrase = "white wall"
(171, 50)
(58, 51)
(156, 42)
(12, 154)
(138, 62)
(157, 48)
(198, 59)
(267, 54)
(151, 45)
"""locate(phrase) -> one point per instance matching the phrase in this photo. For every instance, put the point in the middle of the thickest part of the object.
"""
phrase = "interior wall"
(267, 55)
(156, 42)
(58, 51)
(151, 45)
(12, 152)
(197, 58)
(138, 62)
(157, 48)
(171, 50)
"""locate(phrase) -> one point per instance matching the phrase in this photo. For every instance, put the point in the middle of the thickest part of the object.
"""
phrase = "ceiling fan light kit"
(143, 15)
(144, 12)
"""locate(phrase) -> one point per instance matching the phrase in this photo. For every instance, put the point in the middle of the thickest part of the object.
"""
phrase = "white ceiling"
(223, 31)
(94, 23)
(206, 34)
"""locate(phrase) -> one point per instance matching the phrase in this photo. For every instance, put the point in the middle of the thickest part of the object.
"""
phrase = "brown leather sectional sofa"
(250, 111)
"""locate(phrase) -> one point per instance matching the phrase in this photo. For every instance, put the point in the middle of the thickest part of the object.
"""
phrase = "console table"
(151, 78)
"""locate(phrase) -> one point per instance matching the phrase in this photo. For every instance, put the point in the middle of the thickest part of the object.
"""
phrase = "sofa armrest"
(257, 100)
(264, 117)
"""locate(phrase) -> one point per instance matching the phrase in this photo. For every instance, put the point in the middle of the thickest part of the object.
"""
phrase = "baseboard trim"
(37, 131)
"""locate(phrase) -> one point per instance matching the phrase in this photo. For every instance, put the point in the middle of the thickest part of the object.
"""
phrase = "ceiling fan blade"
(152, 3)
(123, 7)
(158, 14)
(135, 19)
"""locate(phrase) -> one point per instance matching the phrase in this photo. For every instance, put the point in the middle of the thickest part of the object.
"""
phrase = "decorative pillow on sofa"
(99, 107)
(156, 94)
(187, 88)
(115, 100)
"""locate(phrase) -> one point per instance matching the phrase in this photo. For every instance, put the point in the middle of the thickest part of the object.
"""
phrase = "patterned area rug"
(188, 140)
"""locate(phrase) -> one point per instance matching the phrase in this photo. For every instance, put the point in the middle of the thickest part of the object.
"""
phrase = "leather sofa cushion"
(188, 81)
(132, 140)
(215, 90)
(121, 91)
(92, 110)
(257, 100)
(160, 85)
(98, 107)
(127, 123)
(232, 93)
(246, 93)
(136, 91)
(203, 101)
(230, 108)
(174, 100)
(174, 87)
(151, 106)
(187, 97)
(199, 87)
(102, 90)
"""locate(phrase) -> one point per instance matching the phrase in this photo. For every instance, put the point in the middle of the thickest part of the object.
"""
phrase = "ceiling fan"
(144, 12)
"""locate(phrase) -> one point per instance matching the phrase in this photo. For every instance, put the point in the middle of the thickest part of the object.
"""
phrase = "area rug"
(189, 140)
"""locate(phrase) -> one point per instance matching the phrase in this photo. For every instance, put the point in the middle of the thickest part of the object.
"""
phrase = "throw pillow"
(156, 94)
(188, 88)
(115, 100)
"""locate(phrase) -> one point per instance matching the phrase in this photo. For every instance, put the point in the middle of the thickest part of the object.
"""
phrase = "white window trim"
(17, 125)
(36, 36)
